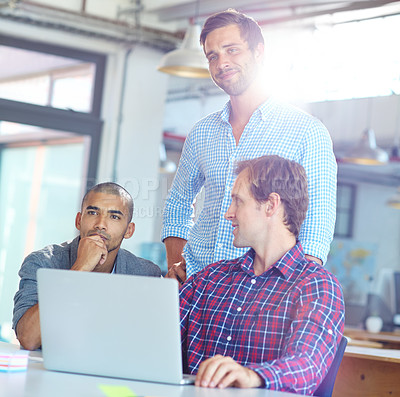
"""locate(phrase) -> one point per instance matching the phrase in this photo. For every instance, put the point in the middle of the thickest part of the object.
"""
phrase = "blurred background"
(82, 101)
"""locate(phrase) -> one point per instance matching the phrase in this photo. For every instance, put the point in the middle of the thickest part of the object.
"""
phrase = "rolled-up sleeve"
(317, 158)
(26, 295)
(311, 342)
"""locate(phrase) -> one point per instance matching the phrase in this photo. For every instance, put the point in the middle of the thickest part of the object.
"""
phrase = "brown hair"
(274, 174)
(249, 29)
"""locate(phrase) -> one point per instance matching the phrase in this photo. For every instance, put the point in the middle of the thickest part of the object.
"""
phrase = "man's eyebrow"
(224, 46)
(230, 45)
(92, 207)
(116, 212)
(209, 53)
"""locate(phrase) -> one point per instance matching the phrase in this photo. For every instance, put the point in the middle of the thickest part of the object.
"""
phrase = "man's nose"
(101, 223)
(223, 62)
(229, 214)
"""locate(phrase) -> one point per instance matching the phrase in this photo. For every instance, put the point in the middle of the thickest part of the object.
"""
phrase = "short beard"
(234, 90)
(251, 71)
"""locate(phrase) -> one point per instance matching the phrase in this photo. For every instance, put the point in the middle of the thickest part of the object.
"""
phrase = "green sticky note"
(117, 391)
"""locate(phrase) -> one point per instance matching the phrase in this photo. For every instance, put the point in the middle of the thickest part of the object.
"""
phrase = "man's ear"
(259, 52)
(78, 221)
(130, 230)
(272, 204)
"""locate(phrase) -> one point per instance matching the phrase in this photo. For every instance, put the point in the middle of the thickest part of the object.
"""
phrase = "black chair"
(325, 389)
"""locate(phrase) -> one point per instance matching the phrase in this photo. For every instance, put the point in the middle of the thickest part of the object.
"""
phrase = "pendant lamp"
(188, 60)
(366, 152)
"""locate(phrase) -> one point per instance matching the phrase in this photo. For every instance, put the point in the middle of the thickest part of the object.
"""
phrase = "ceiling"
(162, 23)
(266, 12)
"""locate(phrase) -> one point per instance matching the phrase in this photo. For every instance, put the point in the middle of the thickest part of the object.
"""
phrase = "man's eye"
(117, 217)
(91, 212)
(212, 58)
(232, 50)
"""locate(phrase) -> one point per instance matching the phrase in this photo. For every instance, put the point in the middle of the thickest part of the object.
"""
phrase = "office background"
(82, 101)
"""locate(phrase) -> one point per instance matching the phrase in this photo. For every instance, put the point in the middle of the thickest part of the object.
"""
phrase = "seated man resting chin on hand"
(104, 221)
(270, 318)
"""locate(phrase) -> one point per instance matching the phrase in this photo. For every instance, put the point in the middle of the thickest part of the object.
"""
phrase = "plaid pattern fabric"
(285, 324)
(208, 159)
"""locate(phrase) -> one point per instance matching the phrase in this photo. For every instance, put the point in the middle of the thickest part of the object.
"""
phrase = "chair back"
(325, 389)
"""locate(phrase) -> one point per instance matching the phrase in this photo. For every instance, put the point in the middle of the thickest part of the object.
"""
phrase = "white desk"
(38, 382)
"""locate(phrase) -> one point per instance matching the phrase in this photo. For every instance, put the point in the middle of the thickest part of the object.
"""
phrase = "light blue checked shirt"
(208, 159)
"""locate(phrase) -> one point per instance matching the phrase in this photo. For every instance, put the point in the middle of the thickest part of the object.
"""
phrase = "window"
(50, 131)
(343, 61)
(345, 210)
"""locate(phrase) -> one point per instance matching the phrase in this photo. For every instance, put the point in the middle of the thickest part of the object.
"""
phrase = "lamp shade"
(366, 152)
(188, 60)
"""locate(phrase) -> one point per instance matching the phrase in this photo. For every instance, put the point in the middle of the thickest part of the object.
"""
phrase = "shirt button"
(330, 332)
(229, 338)
(239, 309)
(219, 245)
(253, 281)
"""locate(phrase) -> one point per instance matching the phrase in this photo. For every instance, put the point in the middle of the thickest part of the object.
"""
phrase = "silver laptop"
(111, 325)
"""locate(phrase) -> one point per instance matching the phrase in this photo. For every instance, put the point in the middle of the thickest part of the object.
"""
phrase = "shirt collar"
(264, 110)
(225, 112)
(246, 262)
(73, 253)
(285, 265)
(267, 108)
(291, 260)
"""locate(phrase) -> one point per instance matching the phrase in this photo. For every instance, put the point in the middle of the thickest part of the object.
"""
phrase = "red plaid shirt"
(284, 324)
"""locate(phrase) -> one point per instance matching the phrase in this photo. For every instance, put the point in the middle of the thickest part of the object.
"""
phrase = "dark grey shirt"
(63, 256)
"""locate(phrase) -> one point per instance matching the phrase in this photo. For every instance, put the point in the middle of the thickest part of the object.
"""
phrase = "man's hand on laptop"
(221, 372)
(92, 251)
(177, 271)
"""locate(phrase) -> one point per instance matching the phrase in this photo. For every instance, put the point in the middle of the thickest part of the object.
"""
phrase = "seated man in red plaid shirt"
(270, 318)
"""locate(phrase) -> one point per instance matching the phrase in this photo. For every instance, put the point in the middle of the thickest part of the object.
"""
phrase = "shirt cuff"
(175, 231)
(317, 249)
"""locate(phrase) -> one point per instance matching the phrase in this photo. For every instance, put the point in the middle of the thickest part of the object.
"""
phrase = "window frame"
(348, 209)
(88, 124)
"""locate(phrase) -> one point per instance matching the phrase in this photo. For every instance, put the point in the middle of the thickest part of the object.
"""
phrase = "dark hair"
(116, 190)
(274, 174)
(249, 29)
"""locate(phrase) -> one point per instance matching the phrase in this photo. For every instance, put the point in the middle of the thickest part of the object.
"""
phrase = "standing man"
(104, 222)
(270, 318)
(250, 125)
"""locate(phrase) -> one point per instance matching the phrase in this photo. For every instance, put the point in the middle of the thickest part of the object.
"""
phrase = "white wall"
(347, 119)
(181, 115)
(375, 222)
(137, 163)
